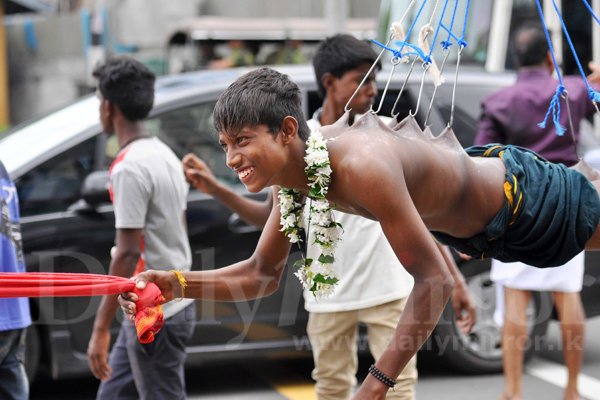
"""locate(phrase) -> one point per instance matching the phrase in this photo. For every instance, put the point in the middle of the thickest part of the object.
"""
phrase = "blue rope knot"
(462, 43)
(397, 53)
(595, 96)
(427, 60)
(555, 110)
(446, 44)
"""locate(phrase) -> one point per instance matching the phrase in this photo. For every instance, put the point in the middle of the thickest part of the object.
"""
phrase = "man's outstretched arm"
(255, 277)
(201, 177)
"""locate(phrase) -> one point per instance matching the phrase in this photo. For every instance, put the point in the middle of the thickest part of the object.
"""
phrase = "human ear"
(108, 109)
(549, 61)
(289, 129)
(327, 80)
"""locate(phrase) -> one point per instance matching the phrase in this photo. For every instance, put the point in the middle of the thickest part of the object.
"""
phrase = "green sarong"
(549, 213)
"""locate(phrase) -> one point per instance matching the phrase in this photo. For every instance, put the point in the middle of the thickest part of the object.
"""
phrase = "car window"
(187, 130)
(466, 109)
(32, 140)
(403, 106)
(54, 185)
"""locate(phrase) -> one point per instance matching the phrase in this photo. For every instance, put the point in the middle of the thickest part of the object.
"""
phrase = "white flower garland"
(320, 276)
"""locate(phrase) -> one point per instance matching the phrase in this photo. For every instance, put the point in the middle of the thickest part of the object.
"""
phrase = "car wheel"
(480, 350)
(32, 352)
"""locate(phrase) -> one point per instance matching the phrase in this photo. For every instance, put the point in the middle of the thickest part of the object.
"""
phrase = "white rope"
(437, 4)
(412, 3)
(436, 75)
(397, 28)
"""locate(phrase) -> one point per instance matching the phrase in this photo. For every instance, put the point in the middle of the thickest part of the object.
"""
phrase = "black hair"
(128, 84)
(530, 45)
(260, 97)
(339, 54)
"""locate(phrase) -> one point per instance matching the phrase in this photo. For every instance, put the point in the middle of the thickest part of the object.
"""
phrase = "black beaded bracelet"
(373, 370)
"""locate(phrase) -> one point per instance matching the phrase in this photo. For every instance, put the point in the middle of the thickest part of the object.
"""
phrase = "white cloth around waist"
(567, 278)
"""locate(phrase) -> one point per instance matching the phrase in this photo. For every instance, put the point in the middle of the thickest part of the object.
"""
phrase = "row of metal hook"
(397, 60)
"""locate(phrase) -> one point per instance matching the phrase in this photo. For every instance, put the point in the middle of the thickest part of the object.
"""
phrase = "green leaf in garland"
(303, 262)
(321, 279)
(323, 259)
(316, 193)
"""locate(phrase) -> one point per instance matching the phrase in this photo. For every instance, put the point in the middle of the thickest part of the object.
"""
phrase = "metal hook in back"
(565, 96)
(460, 50)
(446, 54)
(412, 66)
(425, 69)
(395, 61)
(346, 109)
(596, 106)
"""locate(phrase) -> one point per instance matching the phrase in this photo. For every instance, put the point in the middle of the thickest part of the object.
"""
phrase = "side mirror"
(94, 189)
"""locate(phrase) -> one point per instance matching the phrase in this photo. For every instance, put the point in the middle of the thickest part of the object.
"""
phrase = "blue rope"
(413, 25)
(594, 96)
(447, 43)
(555, 109)
(398, 53)
(437, 31)
(591, 11)
(450, 34)
(555, 103)
(462, 42)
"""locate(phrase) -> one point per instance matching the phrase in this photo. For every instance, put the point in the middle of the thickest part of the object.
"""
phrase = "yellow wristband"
(182, 282)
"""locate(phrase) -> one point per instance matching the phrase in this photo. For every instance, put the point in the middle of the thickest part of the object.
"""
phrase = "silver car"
(59, 163)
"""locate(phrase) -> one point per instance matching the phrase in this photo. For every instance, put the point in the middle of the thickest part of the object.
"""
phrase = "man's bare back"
(452, 192)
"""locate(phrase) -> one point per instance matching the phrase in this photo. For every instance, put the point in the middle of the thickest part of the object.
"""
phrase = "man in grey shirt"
(149, 194)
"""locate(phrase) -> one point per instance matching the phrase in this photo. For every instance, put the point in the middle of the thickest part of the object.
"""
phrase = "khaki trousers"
(333, 339)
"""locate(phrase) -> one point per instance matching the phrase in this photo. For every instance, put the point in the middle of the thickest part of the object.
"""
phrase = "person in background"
(289, 52)
(239, 56)
(149, 193)
(15, 316)
(511, 116)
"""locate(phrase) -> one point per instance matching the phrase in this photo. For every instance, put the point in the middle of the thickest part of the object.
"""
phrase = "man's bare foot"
(572, 396)
(571, 392)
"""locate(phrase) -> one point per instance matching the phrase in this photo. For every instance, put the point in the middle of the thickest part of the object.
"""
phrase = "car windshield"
(34, 140)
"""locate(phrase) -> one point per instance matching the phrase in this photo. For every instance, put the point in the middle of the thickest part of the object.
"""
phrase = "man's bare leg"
(572, 322)
(514, 340)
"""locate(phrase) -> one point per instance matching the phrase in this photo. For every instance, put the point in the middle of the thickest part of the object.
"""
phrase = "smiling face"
(256, 155)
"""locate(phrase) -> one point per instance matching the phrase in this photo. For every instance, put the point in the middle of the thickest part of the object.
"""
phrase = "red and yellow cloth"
(149, 316)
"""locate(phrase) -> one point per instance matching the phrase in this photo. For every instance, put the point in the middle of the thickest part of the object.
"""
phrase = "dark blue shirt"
(14, 313)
